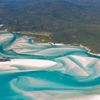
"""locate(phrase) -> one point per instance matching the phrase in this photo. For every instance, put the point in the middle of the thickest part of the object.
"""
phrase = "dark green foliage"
(67, 21)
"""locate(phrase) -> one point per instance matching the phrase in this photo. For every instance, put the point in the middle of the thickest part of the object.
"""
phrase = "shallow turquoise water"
(76, 72)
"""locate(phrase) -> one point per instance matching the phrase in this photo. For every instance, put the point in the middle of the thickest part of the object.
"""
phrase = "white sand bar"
(28, 63)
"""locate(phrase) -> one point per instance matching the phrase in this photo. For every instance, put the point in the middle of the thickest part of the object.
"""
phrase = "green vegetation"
(64, 21)
(86, 34)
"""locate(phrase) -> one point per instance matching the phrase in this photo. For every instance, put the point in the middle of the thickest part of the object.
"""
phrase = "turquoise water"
(75, 72)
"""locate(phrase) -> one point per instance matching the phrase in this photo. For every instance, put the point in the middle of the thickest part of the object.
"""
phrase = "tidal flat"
(32, 70)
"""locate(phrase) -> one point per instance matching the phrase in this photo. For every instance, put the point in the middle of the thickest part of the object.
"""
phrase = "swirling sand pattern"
(46, 71)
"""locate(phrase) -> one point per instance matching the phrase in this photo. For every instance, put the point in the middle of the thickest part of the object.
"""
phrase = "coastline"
(80, 45)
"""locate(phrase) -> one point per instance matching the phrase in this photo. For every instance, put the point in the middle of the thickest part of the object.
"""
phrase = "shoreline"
(80, 45)
(57, 43)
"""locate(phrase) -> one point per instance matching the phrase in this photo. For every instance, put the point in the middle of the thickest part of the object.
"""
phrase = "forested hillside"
(69, 21)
